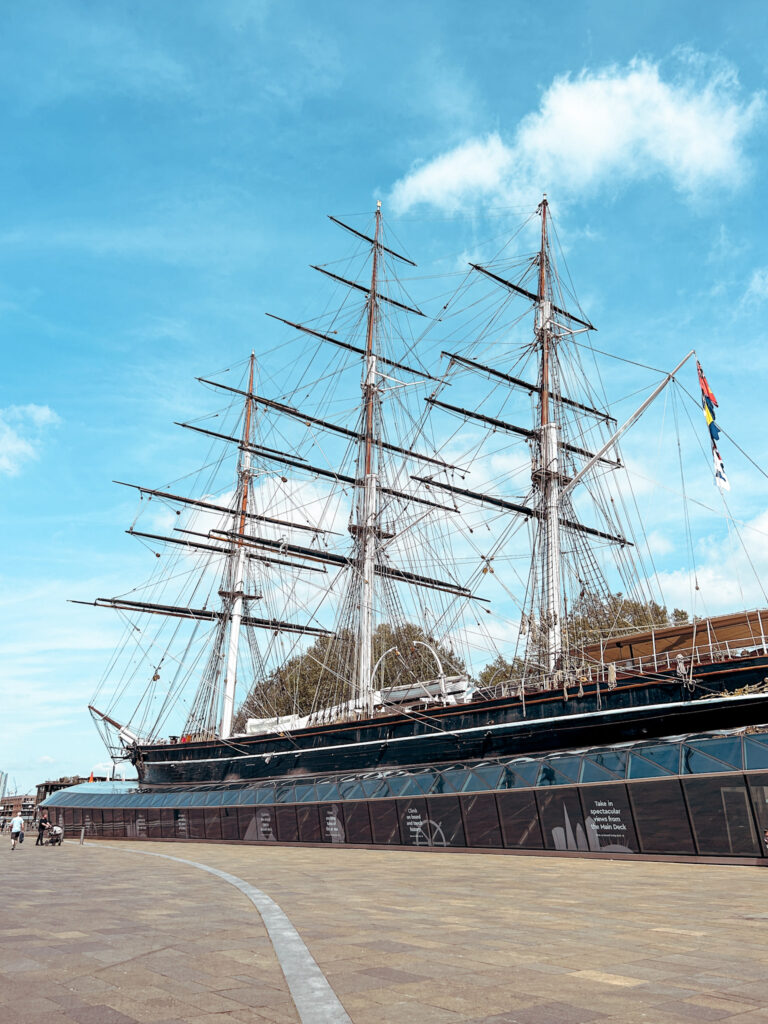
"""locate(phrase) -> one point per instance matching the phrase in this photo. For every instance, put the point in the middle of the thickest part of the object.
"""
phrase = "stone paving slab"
(99, 935)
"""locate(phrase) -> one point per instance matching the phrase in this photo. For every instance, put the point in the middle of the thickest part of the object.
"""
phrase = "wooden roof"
(740, 629)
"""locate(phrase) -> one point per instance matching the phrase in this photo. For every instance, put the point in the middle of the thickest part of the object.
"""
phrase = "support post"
(238, 574)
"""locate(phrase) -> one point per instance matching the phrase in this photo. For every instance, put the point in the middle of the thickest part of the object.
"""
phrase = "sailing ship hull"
(634, 710)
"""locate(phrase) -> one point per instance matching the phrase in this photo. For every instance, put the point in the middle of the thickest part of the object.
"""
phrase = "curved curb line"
(315, 1000)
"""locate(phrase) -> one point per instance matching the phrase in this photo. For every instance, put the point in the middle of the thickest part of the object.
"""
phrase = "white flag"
(720, 478)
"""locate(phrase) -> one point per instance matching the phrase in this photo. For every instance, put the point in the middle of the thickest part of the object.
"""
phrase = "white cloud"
(45, 759)
(757, 289)
(728, 576)
(21, 428)
(601, 128)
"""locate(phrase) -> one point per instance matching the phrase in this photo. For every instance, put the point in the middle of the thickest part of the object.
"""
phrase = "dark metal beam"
(363, 288)
(526, 385)
(199, 503)
(351, 348)
(373, 241)
(531, 296)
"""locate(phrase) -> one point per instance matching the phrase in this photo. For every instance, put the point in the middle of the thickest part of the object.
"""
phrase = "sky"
(165, 174)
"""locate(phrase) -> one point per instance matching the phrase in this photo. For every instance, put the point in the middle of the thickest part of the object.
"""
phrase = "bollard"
(82, 835)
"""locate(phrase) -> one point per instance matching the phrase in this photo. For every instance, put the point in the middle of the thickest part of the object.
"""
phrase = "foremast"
(367, 497)
(238, 563)
(549, 464)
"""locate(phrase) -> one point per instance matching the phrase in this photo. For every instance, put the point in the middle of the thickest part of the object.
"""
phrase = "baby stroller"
(54, 836)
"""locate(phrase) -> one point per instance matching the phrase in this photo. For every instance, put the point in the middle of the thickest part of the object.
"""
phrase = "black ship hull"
(543, 723)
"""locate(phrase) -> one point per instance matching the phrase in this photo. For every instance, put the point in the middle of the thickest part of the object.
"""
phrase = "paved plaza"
(103, 934)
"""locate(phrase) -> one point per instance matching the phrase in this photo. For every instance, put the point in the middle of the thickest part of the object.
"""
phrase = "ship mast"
(549, 472)
(238, 567)
(366, 514)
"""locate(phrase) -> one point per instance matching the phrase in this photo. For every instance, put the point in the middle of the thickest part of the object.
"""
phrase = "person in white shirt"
(17, 830)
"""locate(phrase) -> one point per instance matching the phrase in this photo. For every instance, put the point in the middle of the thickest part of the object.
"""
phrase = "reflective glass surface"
(482, 820)
(661, 817)
(721, 817)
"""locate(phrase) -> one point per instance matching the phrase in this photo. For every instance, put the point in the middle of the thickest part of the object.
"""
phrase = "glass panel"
(639, 768)
(549, 776)
(722, 817)
(284, 793)
(608, 819)
(697, 763)
(327, 790)
(724, 748)
(445, 822)
(351, 789)
(519, 820)
(259, 825)
(426, 780)
(758, 787)
(141, 824)
(180, 824)
(332, 823)
(129, 822)
(305, 791)
(562, 824)
(591, 772)
(523, 773)
(483, 776)
(106, 827)
(287, 829)
(384, 822)
(212, 818)
(402, 785)
(660, 816)
(414, 824)
(167, 824)
(481, 820)
(454, 779)
(154, 827)
(567, 766)
(755, 753)
(357, 823)
(196, 823)
(372, 788)
(265, 795)
(438, 784)
(614, 760)
(246, 821)
(666, 756)
(308, 824)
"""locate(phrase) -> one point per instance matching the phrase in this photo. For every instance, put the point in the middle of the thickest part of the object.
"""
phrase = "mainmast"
(238, 567)
(366, 514)
(549, 469)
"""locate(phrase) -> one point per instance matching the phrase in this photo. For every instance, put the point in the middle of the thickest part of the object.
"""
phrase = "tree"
(592, 619)
(499, 671)
(595, 618)
(322, 676)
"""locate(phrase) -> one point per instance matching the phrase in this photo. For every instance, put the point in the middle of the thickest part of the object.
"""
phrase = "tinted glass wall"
(717, 815)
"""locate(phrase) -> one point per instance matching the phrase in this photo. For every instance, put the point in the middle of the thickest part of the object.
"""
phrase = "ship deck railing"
(657, 664)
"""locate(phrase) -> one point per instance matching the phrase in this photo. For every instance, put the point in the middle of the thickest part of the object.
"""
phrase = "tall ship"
(414, 541)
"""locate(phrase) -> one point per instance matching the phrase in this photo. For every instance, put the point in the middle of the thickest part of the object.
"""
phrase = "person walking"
(17, 830)
(42, 827)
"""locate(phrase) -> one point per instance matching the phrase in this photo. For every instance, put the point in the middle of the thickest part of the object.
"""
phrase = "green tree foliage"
(500, 670)
(322, 675)
(593, 618)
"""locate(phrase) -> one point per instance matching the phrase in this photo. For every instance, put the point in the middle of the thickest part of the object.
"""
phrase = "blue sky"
(166, 170)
